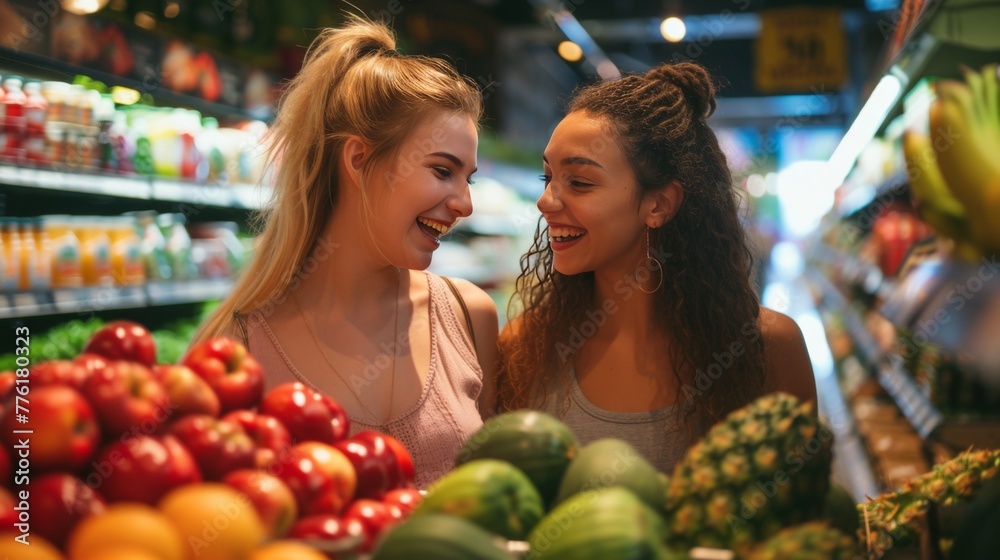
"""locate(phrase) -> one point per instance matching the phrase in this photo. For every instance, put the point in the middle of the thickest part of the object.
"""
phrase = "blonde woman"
(374, 154)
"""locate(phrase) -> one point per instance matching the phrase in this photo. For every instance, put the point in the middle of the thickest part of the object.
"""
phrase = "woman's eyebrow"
(454, 159)
(576, 160)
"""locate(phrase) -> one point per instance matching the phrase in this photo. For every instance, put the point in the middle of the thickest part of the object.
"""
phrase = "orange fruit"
(283, 550)
(216, 521)
(126, 526)
(37, 548)
(121, 553)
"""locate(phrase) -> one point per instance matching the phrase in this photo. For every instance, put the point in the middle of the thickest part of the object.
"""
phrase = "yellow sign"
(800, 49)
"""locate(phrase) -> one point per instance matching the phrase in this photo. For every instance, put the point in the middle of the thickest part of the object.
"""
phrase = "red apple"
(59, 372)
(64, 433)
(406, 499)
(127, 399)
(218, 446)
(271, 497)
(268, 433)
(403, 459)
(123, 340)
(374, 462)
(91, 363)
(230, 371)
(319, 476)
(308, 414)
(328, 528)
(142, 469)
(62, 501)
(188, 394)
(6, 472)
(7, 382)
(9, 515)
(375, 517)
(342, 479)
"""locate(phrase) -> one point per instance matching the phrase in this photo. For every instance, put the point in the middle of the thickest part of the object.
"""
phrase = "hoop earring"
(658, 265)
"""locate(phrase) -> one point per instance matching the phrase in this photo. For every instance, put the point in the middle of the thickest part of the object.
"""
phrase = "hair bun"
(694, 82)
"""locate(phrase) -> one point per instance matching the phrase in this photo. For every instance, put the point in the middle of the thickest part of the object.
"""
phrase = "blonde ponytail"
(353, 82)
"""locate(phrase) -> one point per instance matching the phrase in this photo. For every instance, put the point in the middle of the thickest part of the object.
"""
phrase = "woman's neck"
(341, 272)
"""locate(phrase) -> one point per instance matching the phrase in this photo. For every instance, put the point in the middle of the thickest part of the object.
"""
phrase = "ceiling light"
(82, 7)
(172, 9)
(879, 103)
(673, 29)
(145, 20)
(570, 51)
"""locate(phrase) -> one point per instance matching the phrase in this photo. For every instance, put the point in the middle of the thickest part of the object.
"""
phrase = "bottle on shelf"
(95, 251)
(14, 124)
(67, 266)
(10, 238)
(29, 257)
(41, 276)
(128, 267)
(35, 108)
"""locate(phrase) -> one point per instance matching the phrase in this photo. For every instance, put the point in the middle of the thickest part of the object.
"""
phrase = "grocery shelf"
(896, 186)
(96, 299)
(914, 404)
(850, 450)
(854, 271)
(239, 196)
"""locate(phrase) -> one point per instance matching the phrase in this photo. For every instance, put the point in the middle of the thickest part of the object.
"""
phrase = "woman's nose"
(461, 203)
(549, 202)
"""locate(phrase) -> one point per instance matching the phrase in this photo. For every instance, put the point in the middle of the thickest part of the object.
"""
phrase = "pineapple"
(893, 519)
(763, 468)
(810, 541)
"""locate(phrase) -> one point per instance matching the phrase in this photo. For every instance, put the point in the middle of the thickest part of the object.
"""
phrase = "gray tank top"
(660, 435)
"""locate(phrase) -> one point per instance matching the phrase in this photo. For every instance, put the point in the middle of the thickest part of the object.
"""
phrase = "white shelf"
(96, 299)
(143, 188)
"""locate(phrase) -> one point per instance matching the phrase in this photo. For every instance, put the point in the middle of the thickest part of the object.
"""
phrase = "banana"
(967, 146)
(992, 97)
(935, 204)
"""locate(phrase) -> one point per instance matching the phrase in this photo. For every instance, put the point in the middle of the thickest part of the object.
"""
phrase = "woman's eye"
(545, 178)
(579, 184)
(442, 172)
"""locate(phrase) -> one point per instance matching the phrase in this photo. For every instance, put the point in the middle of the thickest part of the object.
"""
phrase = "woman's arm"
(483, 312)
(788, 367)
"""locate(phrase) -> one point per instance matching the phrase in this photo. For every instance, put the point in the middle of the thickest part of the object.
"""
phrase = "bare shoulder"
(481, 305)
(789, 368)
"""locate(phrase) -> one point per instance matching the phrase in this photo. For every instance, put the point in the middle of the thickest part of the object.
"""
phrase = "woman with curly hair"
(638, 317)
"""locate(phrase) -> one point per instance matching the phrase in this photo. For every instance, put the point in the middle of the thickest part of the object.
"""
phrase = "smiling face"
(591, 200)
(418, 195)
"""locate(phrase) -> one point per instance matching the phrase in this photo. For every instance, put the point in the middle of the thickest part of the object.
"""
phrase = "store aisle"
(788, 291)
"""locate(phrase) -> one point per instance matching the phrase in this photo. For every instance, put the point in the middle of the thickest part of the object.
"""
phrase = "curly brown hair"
(707, 301)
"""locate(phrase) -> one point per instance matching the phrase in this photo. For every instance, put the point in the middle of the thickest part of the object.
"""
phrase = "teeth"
(565, 232)
(443, 229)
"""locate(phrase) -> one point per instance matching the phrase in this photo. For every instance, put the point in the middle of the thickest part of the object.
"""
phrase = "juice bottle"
(29, 257)
(178, 246)
(65, 251)
(41, 278)
(95, 251)
(153, 247)
(34, 116)
(127, 263)
(55, 95)
(12, 255)
(14, 124)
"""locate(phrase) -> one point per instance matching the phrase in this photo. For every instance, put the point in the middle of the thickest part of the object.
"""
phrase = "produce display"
(132, 458)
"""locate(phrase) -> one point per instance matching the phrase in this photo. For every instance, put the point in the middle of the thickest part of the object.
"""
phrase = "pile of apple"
(122, 449)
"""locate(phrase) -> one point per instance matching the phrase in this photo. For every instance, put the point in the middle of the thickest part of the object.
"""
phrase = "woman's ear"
(352, 158)
(664, 204)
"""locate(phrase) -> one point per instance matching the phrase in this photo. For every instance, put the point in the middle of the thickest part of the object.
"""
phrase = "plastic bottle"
(41, 279)
(29, 257)
(12, 254)
(66, 261)
(127, 264)
(213, 164)
(95, 251)
(35, 108)
(178, 246)
(55, 94)
(105, 114)
(14, 124)
(153, 246)
(190, 156)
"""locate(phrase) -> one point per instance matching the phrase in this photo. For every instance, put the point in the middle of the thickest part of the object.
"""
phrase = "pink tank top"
(446, 413)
